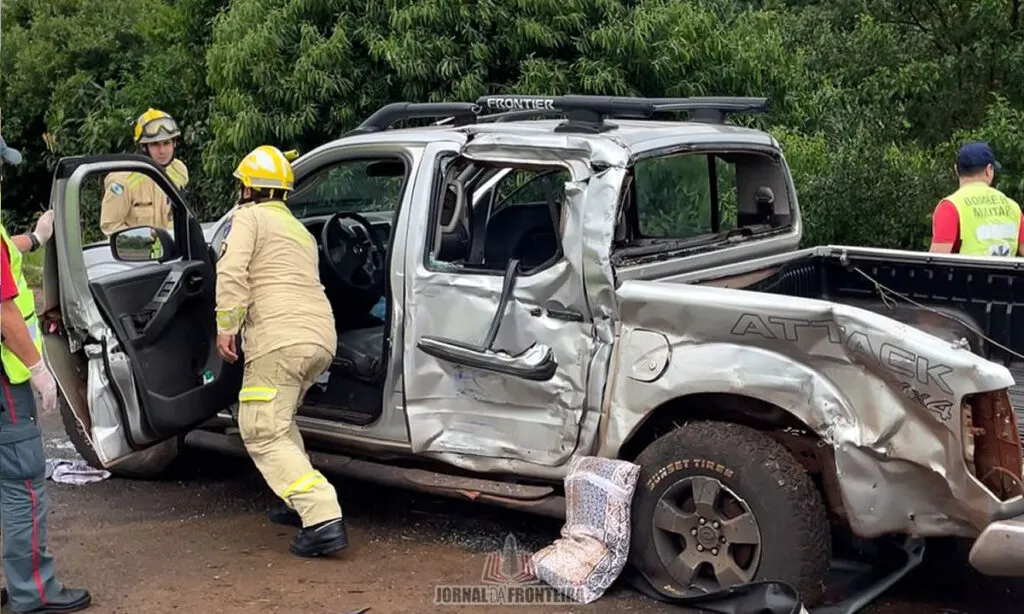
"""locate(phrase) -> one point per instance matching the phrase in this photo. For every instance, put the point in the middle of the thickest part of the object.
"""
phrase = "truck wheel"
(145, 465)
(719, 504)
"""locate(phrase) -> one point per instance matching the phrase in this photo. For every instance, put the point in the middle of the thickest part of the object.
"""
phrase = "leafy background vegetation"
(871, 98)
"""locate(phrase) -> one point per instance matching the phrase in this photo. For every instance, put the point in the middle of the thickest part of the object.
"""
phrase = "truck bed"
(953, 297)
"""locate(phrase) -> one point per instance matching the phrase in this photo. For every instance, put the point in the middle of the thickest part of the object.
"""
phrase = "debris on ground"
(74, 472)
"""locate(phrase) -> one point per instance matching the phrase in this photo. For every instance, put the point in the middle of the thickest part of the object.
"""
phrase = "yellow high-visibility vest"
(989, 220)
(14, 369)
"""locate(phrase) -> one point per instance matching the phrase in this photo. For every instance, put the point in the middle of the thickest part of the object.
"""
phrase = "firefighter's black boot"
(320, 539)
(68, 600)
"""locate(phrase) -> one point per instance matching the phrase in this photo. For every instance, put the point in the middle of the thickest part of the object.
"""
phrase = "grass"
(32, 268)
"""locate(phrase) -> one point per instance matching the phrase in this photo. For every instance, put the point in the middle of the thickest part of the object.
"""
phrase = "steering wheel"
(356, 261)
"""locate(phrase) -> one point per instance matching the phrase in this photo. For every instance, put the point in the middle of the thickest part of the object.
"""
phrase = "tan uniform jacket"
(268, 283)
(133, 199)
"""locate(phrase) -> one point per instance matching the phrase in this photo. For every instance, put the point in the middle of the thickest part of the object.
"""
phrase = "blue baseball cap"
(975, 156)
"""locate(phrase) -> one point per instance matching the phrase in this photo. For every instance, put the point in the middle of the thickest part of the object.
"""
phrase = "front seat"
(360, 354)
(526, 232)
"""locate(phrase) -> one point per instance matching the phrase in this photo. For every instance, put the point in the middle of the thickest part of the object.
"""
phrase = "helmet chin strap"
(257, 197)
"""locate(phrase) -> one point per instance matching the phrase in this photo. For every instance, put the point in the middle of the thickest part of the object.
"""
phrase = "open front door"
(144, 318)
(500, 340)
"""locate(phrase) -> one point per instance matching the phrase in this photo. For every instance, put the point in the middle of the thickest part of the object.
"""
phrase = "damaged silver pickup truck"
(582, 276)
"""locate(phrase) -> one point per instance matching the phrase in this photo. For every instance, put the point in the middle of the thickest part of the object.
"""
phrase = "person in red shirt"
(975, 164)
(27, 563)
(946, 230)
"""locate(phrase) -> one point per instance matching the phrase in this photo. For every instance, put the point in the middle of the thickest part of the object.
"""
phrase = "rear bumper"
(999, 550)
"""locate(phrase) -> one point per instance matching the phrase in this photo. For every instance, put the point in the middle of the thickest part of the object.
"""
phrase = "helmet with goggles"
(155, 125)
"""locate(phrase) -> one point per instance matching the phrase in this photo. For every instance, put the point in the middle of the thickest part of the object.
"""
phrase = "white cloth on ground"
(76, 472)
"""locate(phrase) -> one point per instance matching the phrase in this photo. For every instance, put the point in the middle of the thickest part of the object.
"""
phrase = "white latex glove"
(45, 385)
(44, 227)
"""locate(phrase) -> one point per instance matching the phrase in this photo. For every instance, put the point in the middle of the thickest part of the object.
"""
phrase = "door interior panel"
(164, 316)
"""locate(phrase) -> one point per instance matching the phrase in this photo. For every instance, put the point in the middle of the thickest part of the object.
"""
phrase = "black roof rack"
(582, 113)
(390, 114)
(587, 113)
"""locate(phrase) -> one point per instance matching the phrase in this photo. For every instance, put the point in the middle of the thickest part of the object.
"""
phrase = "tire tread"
(741, 446)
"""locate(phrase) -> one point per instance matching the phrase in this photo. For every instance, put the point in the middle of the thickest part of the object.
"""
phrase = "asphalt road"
(198, 540)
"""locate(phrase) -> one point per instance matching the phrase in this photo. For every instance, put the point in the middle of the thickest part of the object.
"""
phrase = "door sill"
(337, 414)
(535, 499)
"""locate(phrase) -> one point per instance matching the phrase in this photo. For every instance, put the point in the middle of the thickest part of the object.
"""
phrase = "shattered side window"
(523, 186)
(481, 226)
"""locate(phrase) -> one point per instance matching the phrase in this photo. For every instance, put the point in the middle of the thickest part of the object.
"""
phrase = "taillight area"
(992, 446)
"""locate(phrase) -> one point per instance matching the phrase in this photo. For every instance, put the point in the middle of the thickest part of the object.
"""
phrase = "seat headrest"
(764, 195)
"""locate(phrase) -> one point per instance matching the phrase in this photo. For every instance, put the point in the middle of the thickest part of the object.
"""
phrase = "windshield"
(358, 186)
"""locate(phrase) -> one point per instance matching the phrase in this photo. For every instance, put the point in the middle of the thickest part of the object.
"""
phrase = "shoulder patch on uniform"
(224, 240)
(117, 188)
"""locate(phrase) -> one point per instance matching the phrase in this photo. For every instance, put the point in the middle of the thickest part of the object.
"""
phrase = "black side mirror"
(142, 244)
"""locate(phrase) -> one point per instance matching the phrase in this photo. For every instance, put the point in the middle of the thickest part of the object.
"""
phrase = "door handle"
(569, 315)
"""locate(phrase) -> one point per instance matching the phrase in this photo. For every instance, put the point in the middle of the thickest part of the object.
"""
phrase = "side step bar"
(539, 500)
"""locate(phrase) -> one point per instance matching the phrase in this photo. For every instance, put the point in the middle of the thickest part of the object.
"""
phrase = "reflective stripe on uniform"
(257, 393)
(230, 319)
(303, 484)
(134, 179)
(989, 232)
(176, 176)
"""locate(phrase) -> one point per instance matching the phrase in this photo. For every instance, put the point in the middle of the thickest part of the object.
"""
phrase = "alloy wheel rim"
(706, 535)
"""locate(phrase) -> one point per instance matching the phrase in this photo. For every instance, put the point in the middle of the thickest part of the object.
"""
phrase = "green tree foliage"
(79, 72)
(871, 98)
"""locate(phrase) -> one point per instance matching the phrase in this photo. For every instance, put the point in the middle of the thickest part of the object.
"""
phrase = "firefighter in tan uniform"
(268, 287)
(132, 199)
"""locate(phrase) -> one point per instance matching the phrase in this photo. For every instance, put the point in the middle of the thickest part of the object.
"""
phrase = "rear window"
(684, 196)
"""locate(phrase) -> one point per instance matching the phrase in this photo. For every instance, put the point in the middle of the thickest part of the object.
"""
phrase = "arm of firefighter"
(115, 206)
(15, 334)
(233, 292)
(42, 233)
(22, 242)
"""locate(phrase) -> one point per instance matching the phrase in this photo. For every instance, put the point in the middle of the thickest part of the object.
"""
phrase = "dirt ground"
(199, 541)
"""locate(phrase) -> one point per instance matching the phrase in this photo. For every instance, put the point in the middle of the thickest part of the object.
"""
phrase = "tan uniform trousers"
(273, 385)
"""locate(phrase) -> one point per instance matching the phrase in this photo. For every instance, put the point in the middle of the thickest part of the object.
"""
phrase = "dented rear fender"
(899, 407)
